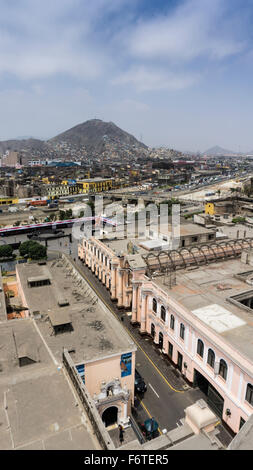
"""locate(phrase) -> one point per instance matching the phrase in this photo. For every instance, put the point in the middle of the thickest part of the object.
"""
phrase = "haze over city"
(172, 73)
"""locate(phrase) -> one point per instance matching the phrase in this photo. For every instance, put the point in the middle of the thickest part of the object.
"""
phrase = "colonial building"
(196, 304)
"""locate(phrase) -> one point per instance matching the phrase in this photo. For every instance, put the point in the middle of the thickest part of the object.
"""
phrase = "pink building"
(199, 315)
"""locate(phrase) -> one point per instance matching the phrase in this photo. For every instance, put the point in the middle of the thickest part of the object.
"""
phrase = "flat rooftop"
(205, 291)
(37, 407)
(96, 332)
(186, 229)
(122, 245)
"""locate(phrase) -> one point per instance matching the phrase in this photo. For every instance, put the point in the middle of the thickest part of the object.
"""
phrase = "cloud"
(145, 78)
(195, 29)
(43, 39)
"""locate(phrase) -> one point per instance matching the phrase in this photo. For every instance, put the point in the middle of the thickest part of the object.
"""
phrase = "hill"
(23, 144)
(95, 135)
(216, 151)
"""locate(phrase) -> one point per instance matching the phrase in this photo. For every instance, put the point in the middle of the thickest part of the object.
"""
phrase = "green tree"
(62, 215)
(33, 250)
(6, 251)
(68, 214)
(37, 251)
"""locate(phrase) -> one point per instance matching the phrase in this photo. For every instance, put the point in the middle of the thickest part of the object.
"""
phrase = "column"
(113, 282)
(143, 313)
(134, 304)
(120, 288)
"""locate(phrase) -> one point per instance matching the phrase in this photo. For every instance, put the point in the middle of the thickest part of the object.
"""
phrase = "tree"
(68, 214)
(6, 251)
(37, 251)
(62, 215)
(33, 250)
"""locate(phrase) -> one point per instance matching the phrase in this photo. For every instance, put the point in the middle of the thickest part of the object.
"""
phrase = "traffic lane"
(168, 409)
(164, 404)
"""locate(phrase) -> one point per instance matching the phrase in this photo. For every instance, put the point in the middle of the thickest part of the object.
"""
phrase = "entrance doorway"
(214, 399)
(110, 416)
(179, 361)
(160, 341)
(152, 330)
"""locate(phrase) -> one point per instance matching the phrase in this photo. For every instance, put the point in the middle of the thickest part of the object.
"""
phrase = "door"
(215, 400)
(179, 361)
(160, 341)
(110, 416)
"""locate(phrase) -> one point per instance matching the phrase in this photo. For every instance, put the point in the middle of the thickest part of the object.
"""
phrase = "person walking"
(121, 432)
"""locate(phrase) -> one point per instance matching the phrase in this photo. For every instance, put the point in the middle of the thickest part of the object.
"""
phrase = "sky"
(174, 73)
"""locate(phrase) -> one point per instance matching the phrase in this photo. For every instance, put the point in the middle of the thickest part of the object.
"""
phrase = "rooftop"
(37, 407)
(96, 333)
(207, 290)
(186, 229)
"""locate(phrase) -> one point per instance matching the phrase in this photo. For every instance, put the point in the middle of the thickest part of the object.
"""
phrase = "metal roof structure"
(171, 260)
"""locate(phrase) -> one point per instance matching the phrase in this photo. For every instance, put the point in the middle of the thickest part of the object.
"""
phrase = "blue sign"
(81, 371)
(126, 364)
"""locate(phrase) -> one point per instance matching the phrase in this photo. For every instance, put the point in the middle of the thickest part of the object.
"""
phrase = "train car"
(37, 203)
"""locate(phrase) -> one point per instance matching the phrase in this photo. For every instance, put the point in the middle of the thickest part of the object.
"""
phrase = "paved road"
(166, 397)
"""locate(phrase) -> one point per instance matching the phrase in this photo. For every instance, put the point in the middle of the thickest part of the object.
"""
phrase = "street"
(167, 393)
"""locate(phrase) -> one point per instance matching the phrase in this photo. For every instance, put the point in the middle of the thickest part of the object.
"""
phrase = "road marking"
(149, 415)
(154, 390)
(136, 342)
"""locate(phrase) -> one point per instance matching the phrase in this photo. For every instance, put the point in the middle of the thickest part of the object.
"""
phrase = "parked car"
(139, 384)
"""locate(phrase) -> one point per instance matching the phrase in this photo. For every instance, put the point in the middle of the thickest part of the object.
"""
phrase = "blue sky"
(174, 72)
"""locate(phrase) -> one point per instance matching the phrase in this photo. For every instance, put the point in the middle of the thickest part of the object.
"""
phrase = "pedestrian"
(121, 431)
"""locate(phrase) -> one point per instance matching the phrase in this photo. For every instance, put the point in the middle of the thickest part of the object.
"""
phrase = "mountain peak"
(91, 134)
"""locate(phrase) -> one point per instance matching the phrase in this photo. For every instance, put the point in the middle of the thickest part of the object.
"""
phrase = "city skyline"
(172, 73)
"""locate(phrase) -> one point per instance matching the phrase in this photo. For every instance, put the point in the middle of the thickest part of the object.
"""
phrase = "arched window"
(249, 394)
(182, 330)
(223, 369)
(154, 305)
(200, 348)
(163, 313)
(211, 358)
(172, 322)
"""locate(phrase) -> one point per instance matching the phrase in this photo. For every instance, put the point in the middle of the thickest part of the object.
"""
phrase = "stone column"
(99, 271)
(120, 288)
(113, 282)
(143, 313)
(134, 304)
(107, 278)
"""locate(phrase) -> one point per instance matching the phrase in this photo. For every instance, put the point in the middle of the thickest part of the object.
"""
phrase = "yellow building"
(94, 185)
(209, 208)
